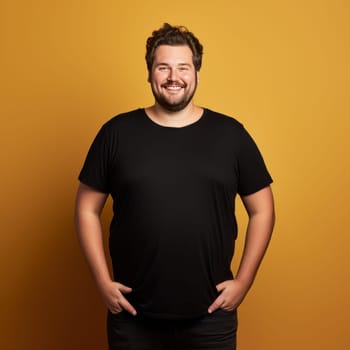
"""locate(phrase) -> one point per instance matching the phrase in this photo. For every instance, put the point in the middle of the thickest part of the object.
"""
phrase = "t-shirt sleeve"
(253, 174)
(96, 171)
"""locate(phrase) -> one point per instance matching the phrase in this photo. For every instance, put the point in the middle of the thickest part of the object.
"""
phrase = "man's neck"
(189, 115)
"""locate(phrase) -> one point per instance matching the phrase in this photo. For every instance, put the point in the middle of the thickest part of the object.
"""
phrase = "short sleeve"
(253, 174)
(96, 171)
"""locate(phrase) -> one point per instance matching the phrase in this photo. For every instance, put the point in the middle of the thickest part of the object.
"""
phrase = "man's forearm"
(90, 236)
(261, 220)
(258, 236)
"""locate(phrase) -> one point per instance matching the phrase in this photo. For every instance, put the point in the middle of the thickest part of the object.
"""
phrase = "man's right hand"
(112, 294)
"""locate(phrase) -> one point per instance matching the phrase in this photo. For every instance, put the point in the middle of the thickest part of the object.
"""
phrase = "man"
(173, 171)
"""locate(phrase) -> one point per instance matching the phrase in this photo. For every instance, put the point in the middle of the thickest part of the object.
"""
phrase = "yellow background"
(280, 67)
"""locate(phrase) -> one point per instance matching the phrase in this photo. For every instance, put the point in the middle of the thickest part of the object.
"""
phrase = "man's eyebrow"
(161, 64)
(167, 64)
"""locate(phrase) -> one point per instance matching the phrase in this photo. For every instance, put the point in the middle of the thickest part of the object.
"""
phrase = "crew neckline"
(185, 127)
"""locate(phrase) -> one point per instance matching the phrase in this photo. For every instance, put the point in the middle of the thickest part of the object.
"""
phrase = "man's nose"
(172, 74)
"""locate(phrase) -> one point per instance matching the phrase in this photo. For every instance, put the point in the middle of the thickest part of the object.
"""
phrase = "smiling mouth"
(173, 86)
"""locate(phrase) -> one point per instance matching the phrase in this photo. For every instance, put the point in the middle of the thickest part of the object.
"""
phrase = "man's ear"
(197, 77)
(149, 77)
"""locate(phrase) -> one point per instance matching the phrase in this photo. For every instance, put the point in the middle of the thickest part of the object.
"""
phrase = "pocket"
(223, 311)
(111, 317)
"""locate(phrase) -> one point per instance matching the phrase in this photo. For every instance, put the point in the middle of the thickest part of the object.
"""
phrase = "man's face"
(173, 77)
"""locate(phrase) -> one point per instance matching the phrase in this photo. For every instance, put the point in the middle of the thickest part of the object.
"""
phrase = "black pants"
(215, 331)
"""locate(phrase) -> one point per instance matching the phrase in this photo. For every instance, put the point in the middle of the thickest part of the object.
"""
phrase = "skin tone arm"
(88, 208)
(260, 209)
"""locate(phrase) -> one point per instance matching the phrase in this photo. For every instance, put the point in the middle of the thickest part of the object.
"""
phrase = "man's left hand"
(232, 293)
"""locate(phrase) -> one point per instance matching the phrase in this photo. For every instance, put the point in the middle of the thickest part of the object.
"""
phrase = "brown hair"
(173, 36)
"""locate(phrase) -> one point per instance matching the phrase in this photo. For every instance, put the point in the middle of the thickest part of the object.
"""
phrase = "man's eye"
(163, 68)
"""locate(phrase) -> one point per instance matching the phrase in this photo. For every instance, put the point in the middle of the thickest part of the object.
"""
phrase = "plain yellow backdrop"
(280, 67)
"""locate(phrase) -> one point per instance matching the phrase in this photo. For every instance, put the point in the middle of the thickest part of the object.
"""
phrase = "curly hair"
(173, 36)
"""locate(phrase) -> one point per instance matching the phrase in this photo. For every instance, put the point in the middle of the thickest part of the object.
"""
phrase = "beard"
(177, 105)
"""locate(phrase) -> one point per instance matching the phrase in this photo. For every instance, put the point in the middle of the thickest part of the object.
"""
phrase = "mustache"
(173, 83)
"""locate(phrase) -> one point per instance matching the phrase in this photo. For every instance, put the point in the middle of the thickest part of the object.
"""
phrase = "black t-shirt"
(173, 188)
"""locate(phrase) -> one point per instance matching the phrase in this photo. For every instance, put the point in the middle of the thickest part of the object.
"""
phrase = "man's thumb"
(124, 289)
(220, 287)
